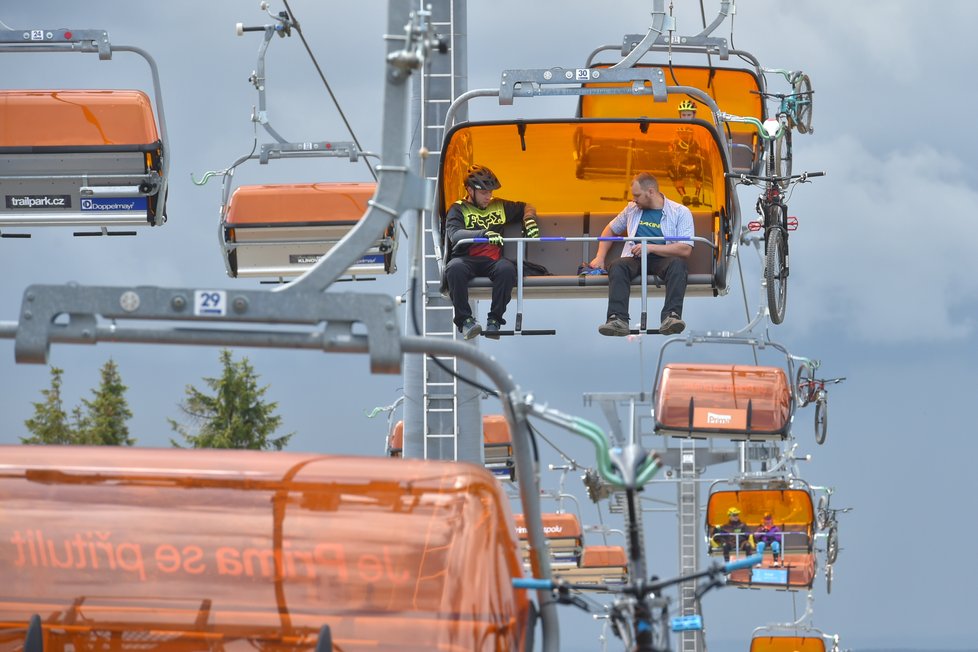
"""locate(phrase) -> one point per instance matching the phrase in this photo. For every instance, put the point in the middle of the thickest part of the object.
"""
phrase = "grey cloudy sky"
(882, 287)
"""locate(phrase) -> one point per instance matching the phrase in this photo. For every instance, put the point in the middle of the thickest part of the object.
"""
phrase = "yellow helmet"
(687, 105)
(733, 511)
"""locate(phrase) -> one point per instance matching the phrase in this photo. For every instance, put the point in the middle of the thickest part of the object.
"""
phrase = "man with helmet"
(649, 214)
(687, 160)
(769, 534)
(732, 535)
(480, 215)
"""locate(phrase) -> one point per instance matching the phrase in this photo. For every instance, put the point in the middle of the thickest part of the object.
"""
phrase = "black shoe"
(470, 329)
(614, 327)
(492, 329)
(672, 325)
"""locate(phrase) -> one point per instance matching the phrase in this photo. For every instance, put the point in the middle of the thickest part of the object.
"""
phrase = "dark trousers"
(621, 272)
(463, 269)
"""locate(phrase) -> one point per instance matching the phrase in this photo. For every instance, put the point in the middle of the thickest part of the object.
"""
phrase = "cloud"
(882, 245)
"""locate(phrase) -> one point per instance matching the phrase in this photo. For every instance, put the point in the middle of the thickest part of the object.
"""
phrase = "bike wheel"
(782, 158)
(821, 419)
(803, 384)
(776, 273)
(832, 546)
(829, 572)
(802, 88)
(822, 512)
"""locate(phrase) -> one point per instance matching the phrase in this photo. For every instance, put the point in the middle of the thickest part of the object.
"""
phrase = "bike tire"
(782, 158)
(822, 513)
(821, 420)
(803, 378)
(832, 546)
(802, 88)
(776, 273)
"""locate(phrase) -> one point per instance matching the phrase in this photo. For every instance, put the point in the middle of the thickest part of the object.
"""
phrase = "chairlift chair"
(280, 231)
(792, 510)
(577, 174)
(80, 158)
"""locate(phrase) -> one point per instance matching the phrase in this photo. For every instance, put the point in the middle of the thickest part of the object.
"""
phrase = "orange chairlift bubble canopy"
(787, 644)
(241, 548)
(786, 506)
(76, 118)
(310, 203)
(735, 401)
(735, 91)
(575, 166)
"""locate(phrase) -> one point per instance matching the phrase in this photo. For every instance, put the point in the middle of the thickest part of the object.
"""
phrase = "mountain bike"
(809, 389)
(639, 615)
(776, 224)
(826, 518)
(794, 111)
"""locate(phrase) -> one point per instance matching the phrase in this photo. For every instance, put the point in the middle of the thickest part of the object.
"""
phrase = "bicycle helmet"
(481, 178)
(733, 511)
(687, 105)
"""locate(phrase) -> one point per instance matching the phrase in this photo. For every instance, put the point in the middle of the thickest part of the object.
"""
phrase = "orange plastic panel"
(259, 546)
(555, 526)
(734, 91)
(575, 166)
(306, 203)
(787, 506)
(787, 644)
(720, 396)
(46, 118)
(395, 443)
(495, 430)
(597, 556)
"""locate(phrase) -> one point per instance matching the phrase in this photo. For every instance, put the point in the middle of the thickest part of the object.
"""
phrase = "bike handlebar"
(752, 179)
(746, 562)
(532, 583)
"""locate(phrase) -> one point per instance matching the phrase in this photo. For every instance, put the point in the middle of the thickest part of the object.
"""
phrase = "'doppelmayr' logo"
(38, 201)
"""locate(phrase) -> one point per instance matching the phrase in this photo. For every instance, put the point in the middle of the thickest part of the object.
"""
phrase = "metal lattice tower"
(688, 511)
(438, 408)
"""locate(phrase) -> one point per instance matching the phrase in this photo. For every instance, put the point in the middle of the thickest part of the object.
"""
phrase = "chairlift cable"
(417, 331)
(743, 292)
(553, 446)
(329, 90)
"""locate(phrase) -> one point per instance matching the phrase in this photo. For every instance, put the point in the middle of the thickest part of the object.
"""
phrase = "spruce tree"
(105, 417)
(236, 416)
(49, 425)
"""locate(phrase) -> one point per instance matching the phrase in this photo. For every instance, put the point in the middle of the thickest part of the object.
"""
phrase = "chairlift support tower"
(442, 416)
